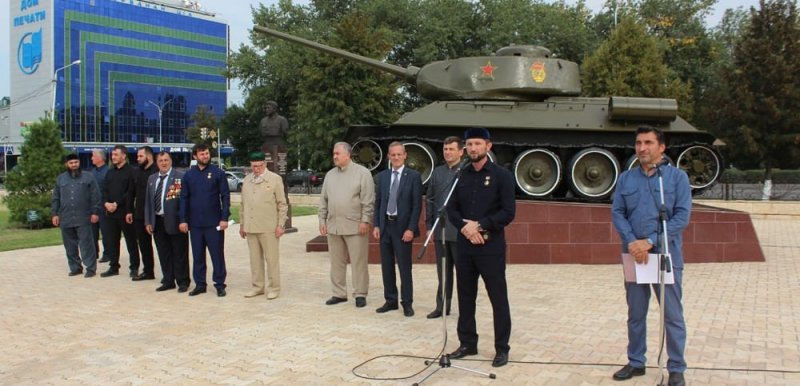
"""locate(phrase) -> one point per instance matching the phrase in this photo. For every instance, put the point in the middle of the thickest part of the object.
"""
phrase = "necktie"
(392, 208)
(159, 190)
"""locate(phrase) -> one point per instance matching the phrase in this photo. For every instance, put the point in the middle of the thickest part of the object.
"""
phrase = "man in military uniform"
(263, 215)
(204, 209)
(75, 207)
(482, 205)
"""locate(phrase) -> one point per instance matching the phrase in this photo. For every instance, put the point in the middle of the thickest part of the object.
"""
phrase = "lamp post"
(5, 157)
(160, 111)
(55, 82)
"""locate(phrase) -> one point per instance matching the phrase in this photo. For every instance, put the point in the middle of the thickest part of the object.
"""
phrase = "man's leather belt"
(391, 217)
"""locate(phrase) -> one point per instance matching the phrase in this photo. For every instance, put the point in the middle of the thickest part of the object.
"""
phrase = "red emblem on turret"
(487, 71)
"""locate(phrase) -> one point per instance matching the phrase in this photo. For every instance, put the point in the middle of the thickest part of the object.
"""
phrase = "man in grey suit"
(345, 216)
(161, 220)
(398, 200)
(75, 207)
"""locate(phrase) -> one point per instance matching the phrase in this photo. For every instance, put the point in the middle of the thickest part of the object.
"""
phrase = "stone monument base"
(579, 233)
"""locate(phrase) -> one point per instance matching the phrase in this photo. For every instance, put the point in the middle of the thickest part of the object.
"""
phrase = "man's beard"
(75, 173)
(477, 158)
(203, 164)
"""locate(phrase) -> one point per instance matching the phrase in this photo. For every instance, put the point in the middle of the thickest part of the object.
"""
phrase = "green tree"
(630, 63)
(241, 126)
(756, 112)
(30, 184)
(203, 119)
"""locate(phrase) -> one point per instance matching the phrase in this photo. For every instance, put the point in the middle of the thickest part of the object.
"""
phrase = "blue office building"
(113, 71)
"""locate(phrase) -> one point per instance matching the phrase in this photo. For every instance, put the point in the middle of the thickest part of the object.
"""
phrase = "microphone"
(466, 161)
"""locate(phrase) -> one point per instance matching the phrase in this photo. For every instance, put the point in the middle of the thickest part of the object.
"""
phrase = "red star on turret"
(488, 70)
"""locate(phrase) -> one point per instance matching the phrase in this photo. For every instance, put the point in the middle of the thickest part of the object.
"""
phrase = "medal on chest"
(209, 175)
(487, 180)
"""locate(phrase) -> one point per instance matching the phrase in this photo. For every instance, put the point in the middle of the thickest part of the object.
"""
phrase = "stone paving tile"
(568, 324)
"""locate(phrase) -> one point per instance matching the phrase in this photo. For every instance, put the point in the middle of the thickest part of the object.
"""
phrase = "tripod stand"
(444, 359)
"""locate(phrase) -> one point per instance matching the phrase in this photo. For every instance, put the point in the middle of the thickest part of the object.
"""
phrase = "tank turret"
(542, 130)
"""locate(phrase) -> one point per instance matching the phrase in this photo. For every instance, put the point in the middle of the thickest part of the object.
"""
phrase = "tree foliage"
(755, 107)
(30, 184)
(630, 63)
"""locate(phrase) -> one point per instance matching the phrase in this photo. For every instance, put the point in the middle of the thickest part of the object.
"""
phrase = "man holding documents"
(635, 215)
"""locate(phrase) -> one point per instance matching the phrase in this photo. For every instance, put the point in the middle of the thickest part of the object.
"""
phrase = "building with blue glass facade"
(113, 71)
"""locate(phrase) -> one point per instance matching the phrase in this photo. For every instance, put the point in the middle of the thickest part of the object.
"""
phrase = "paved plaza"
(568, 324)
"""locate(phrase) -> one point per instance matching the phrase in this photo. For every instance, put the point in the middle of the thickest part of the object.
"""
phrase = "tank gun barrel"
(409, 74)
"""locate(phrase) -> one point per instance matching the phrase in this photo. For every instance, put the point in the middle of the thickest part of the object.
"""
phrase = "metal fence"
(735, 191)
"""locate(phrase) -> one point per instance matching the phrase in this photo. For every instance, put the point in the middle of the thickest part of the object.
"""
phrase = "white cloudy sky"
(239, 18)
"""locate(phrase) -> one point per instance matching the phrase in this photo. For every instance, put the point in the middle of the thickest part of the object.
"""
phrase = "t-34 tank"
(560, 146)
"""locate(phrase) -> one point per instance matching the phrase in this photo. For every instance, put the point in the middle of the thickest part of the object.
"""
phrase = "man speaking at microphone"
(481, 207)
(635, 213)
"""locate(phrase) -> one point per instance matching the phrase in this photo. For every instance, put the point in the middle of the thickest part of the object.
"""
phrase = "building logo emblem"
(29, 52)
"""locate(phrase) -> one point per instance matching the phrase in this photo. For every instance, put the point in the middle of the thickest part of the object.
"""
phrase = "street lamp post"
(160, 111)
(5, 157)
(55, 82)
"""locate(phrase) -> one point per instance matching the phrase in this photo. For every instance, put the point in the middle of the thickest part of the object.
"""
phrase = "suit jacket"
(263, 206)
(409, 200)
(172, 196)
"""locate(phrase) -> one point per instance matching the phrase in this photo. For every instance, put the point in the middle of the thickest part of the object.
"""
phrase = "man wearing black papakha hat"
(75, 207)
(263, 214)
(482, 205)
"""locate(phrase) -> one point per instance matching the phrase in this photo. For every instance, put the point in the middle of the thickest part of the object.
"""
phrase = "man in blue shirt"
(204, 209)
(635, 209)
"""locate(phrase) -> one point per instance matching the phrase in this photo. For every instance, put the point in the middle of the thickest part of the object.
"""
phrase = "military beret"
(256, 156)
(477, 132)
(70, 157)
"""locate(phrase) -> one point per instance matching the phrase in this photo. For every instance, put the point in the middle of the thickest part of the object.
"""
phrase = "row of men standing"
(482, 205)
(139, 203)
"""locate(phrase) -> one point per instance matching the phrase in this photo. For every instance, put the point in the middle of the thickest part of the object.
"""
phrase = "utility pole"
(160, 112)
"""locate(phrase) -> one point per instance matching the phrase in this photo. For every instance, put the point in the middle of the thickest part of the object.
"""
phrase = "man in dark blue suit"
(161, 209)
(204, 208)
(398, 202)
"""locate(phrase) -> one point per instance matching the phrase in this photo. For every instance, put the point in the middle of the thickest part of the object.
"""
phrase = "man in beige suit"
(345, 216)
(263, 214)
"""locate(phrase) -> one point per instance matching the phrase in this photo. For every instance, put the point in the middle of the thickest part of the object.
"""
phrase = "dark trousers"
(394, 249)
(145, 242)
(445, 254)
(492, 268)
(78, 242)
(116, 227)
(173, 254)
(214, 240)
(100, 228)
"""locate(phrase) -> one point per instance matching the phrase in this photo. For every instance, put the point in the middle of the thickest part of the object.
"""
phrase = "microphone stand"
(444, 359)
(665, 265)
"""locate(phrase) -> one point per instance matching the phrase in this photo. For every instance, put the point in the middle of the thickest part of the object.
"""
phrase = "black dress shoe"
(435, 314)
(335, 300)
(462, 352)
(408, 311)
(165, 287)
(628, 372)
(134, 273)
(183, 289)
(197, 291)
(361, 302)
(144, 276)
(110, 272)
(88, 274)
(104, 260)
(388, 306)
(676, 379)
(75, 273)
(500, 359)
(221, 292)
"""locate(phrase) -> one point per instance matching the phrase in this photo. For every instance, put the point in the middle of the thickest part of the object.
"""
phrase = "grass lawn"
(17, 236)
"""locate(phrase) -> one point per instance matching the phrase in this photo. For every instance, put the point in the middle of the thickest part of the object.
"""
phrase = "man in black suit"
(118, 194)
(398, 202)
(147, 167)
(161, 220)
(481, 207)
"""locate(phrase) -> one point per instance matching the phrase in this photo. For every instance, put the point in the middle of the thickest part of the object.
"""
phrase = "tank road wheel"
(367, 153)
(593, 173)
(421, 158)
(701, 164)
(537, 172)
